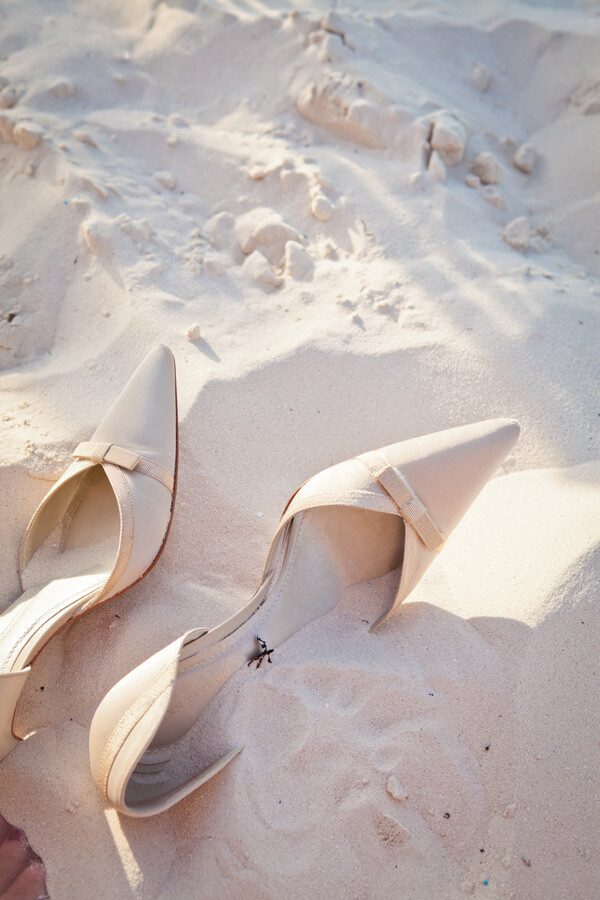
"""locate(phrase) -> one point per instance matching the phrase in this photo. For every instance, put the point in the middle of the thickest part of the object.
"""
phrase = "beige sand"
(351, 227)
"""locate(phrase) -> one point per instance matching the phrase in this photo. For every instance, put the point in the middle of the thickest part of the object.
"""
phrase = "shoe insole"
(72, 564)
(96, 516)
(30, 621)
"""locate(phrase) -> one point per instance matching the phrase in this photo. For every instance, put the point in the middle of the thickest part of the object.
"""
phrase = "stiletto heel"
(355, 521)
(98, 530)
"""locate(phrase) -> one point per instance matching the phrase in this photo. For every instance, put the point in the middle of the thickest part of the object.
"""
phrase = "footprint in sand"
(389, 831)
(377, 830)
(438, 784)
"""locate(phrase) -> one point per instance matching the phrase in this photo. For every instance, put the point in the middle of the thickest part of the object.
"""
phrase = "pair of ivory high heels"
(104, 523)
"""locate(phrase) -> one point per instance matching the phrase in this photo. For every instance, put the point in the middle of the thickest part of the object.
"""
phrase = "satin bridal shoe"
(385, 510)
(99, 529)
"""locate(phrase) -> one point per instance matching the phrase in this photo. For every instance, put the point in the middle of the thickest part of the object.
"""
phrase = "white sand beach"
(352, 226)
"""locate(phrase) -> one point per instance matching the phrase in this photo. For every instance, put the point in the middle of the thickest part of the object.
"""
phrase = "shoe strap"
(398, 498)
(411, 508)
(125, 459)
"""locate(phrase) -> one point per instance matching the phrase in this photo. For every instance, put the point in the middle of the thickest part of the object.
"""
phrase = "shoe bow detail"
(101, 524)
(411, 508)
(125, 459)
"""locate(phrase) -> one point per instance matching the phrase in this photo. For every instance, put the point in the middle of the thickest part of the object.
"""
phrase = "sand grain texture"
(305, 206)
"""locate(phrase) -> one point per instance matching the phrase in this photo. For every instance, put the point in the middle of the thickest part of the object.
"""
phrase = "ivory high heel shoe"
(99, 529)
(352, 522)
